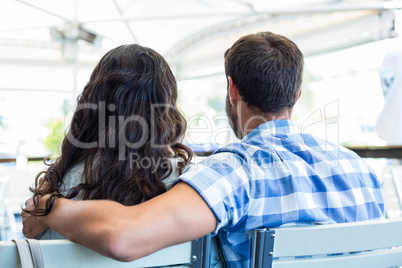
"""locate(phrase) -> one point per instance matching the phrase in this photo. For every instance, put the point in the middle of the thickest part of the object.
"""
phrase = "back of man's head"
(267, 69)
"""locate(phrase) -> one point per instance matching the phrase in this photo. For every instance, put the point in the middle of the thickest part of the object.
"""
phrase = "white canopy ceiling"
(45, 60)
(191, 34)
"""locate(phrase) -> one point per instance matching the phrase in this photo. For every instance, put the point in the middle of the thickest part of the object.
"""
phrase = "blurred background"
(352, 89)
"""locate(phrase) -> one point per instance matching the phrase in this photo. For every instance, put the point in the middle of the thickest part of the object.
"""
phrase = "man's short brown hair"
(267, 69)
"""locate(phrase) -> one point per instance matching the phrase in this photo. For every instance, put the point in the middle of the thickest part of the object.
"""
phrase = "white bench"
(63, 253)
(362, 244)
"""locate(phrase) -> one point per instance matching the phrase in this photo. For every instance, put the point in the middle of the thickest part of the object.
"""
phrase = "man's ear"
(299, 94)
(233, 92)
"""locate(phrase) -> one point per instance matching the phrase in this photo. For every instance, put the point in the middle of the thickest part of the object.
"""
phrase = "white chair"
(65, 254)
(362, 244)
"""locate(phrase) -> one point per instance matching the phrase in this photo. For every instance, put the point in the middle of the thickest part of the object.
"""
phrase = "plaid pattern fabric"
(279, 176)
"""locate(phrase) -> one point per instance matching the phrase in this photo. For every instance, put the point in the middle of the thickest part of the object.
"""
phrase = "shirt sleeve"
(223, 181)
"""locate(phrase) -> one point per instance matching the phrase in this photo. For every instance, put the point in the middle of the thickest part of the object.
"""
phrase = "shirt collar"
(282, 127)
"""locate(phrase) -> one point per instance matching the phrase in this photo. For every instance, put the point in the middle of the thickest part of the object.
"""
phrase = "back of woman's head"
(125, 127)
(135, 95)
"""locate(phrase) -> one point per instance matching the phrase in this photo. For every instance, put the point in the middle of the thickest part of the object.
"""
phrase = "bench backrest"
(361, 244)
(63, 253)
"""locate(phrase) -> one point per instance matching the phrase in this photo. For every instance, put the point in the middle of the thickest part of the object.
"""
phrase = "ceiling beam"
(125, 21)
(42, 10)
(191, 40)
(316, 8)
(36, 90)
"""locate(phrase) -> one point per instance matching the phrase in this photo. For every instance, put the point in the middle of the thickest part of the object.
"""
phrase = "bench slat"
(9, 255)
(336, 238)
(386, 258)
(66, 254)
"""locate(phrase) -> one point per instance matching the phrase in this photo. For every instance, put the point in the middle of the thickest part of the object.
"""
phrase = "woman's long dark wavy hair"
(125, 128)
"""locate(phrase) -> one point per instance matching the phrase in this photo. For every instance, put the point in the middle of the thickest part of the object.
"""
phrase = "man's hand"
(31, 225)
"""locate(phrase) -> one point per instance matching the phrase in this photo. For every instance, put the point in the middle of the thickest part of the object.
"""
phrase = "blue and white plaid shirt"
(279, 176)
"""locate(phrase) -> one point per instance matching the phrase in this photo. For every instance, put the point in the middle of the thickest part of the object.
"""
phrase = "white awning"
(191, 34)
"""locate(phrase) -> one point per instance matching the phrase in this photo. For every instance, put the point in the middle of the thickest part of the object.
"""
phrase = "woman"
(124, 139)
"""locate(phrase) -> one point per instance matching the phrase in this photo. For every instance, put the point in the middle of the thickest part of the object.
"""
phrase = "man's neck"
(251, 119)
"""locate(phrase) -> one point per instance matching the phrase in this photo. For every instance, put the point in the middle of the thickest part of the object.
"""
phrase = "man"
(275, 176)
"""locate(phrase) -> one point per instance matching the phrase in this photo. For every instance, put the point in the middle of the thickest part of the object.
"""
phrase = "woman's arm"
(126, 233)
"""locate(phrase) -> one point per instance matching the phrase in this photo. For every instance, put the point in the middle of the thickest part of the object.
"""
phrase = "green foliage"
(197, 120)
(55, 137)
(217, 103)
(56, 132)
